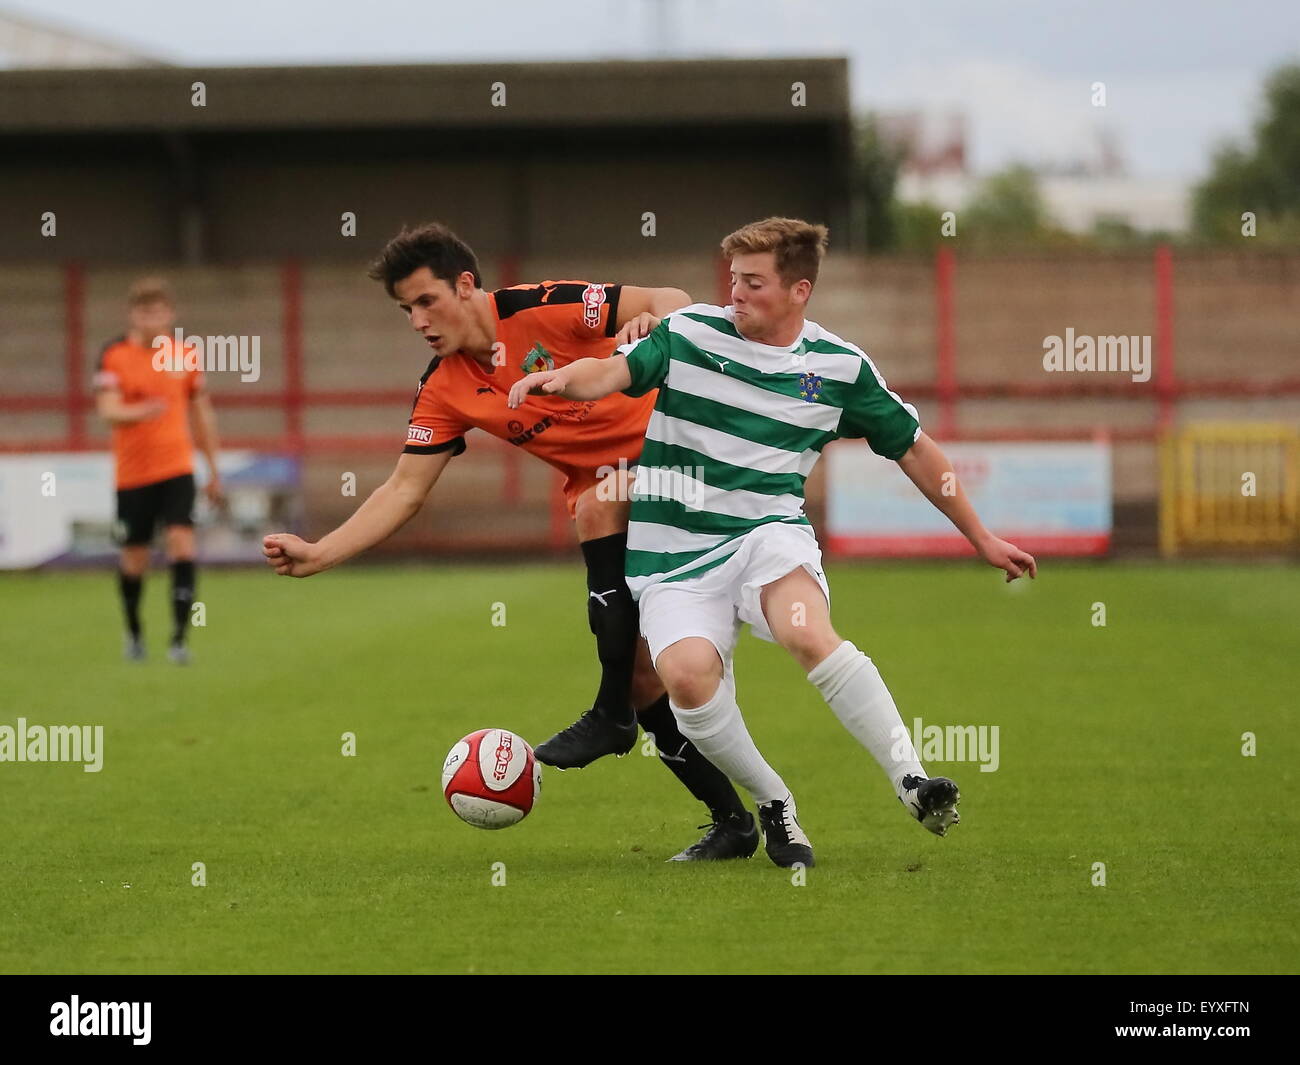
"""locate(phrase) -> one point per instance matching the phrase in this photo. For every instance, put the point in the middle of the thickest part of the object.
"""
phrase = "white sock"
(719, 733)
(851, 684)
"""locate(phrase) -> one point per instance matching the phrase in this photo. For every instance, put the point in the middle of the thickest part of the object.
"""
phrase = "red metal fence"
(950, 390)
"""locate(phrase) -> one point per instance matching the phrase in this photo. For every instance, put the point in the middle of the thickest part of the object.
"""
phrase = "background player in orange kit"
(482, 343)
(153, 456)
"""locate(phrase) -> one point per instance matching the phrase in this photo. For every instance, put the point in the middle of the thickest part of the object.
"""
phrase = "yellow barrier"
(1230, 485)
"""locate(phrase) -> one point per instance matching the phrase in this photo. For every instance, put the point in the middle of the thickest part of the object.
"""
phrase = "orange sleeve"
(433, 426)
(572, 310)
(106, 378)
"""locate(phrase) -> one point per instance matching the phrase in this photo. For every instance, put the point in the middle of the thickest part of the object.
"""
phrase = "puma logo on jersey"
(600, 596)
(480, 391)
(722, 363)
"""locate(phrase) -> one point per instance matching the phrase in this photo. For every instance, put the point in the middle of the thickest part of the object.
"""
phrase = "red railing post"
(509, 270)
(291, 298)
(722, 281)
(559, 514)
(74, 350)
(512, 485)
(1166, 375)
(511, 479)
(945, 356)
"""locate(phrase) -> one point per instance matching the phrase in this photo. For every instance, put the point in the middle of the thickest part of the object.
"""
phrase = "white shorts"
(715, 604)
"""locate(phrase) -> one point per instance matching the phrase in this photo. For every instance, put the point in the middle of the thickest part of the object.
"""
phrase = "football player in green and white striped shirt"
(749, 395)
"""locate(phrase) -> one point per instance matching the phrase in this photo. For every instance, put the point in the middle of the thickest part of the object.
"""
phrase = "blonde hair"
(797, 246)
(148, 290)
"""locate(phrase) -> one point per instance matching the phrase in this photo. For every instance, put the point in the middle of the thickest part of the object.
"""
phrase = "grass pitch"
(1119, 744)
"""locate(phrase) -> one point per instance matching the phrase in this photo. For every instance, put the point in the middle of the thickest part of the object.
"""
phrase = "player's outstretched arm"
(581, 380)
(389, 507)
(931, 472)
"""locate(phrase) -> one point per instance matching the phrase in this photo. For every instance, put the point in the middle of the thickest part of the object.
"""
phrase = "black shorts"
(141, 510)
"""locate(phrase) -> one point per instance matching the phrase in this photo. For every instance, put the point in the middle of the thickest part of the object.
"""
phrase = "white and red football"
(491, 778)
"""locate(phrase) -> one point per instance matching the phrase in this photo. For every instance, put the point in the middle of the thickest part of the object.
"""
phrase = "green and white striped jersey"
(736, 430)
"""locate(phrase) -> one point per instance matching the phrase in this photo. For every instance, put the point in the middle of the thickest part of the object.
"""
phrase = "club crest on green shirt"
(810, 387)
(538, 359)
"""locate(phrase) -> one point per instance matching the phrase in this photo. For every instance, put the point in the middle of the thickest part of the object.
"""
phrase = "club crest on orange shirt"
(538, 359)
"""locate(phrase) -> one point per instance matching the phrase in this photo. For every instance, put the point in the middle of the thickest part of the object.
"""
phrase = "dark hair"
(432, 245)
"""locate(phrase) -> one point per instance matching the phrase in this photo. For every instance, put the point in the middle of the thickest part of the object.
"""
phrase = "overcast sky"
(1180, 75)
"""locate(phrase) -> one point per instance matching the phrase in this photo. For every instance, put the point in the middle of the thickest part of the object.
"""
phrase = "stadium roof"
(652, 93)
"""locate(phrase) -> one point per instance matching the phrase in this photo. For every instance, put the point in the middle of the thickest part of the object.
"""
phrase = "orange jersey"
(157, 448)
(539, 327)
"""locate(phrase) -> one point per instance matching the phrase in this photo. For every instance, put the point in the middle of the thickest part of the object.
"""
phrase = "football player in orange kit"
(483, 342)
(153, 455)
